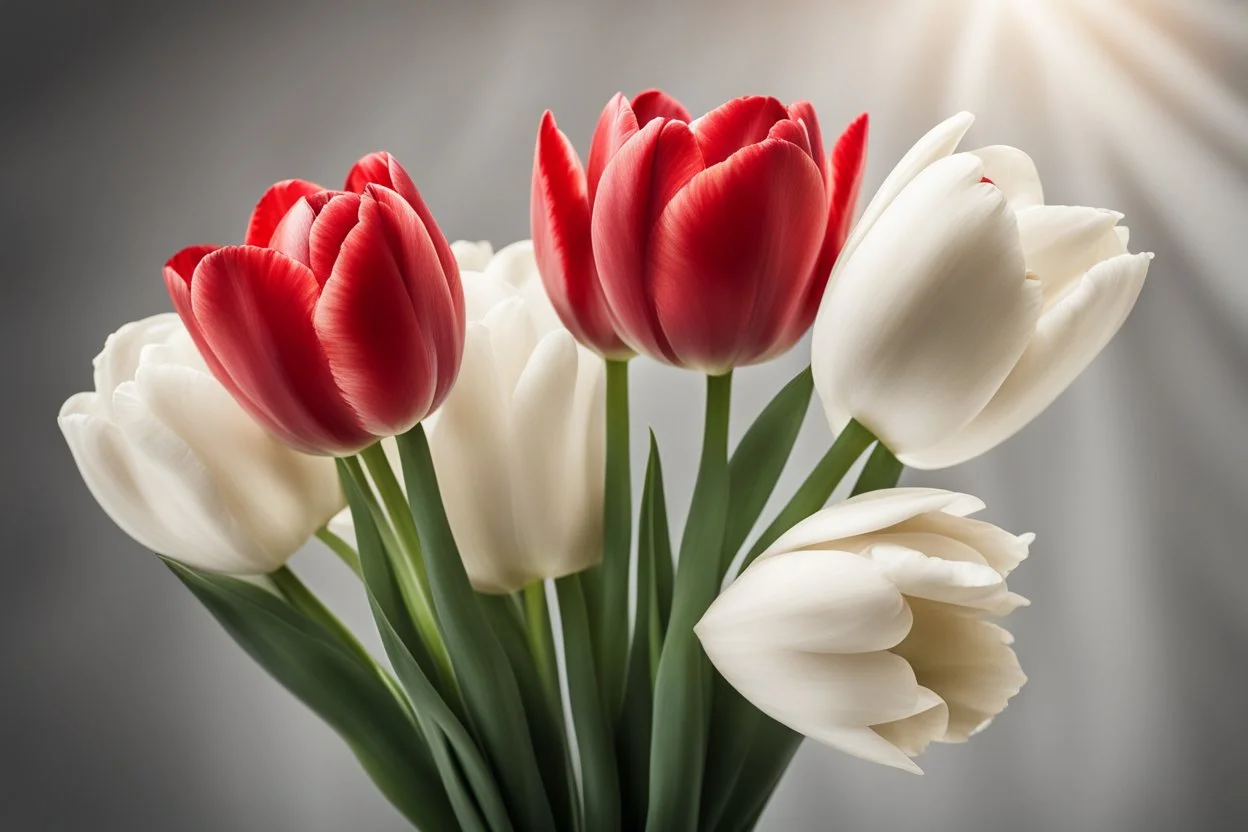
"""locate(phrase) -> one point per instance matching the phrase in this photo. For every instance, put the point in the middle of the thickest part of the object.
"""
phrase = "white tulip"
(519, 443)
(962, 305)
(865, 627)
(181, 468)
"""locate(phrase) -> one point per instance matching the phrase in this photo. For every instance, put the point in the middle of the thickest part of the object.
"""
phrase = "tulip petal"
(472, 256)
(1013, 171)
(483, 292)
(272, 207)
(381, 168)
(866, 744)
(922, 323)
(870, 512)
(560, 219)
(803, 112)
(1061, 242)
(999, 549)
(732, 256)
(929, 567)
(637, 185)
(651, 104)
(736, 124)
(516, 264)
(558, 519)
(378, 336)
(325, 235)
(255, 309)
(1067, 338)
(825, 602)
(178, 272)
(119, 360)
(938, 143)
(470, 447)
(967, 661)
(914, 733)
(617, 124)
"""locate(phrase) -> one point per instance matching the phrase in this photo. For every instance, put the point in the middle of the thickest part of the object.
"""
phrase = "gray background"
(130, 132)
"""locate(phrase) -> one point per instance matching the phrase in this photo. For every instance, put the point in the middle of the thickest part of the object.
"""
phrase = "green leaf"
(760, 457)
(334, 683)
(682, 687)
(455, 753)
(542, 707)
(589, 718)
(490, 691)
(659, 539)
(632, 735)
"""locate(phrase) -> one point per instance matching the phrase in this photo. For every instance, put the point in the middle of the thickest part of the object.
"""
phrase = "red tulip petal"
(178, 273)
(255, 308)
(793, 133)
(739, 123)
(616, 125)
(332, 225)
(651, 104)
(560, 223)
(277, 200)
(381, 168)
(648, 172)
(732, 255)
(804, 112)
(438, 298)
(291, 235)
(849, 162)
(380, 355)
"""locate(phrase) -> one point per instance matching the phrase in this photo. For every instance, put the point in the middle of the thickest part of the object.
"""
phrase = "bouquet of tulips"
(453, 423)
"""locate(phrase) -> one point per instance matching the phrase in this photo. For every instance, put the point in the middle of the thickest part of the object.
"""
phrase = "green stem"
(682, 689)
(401, 539)
(882, 470)
(541, 640)
(305, 601)
(611, 610)
(342, 549)
(817, 488)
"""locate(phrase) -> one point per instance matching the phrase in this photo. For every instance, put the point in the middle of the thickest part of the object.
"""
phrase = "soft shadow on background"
(129, 133)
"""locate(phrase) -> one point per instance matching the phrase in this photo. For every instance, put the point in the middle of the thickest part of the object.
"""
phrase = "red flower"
(341, 318)
(562, 201)
(713, 240)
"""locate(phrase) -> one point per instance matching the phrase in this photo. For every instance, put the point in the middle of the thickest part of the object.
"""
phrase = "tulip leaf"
(333, 681)
(682, 686)
(760, 457)
(601, 792)
(403, 645)
(632, 734)
(542, 707)
(490, 690)
(772, 745)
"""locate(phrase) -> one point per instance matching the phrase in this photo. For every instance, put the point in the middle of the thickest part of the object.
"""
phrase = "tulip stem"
(609, 597)
(305, 601)
(400, 537)
(682, 686)
(541, 639)
(342, 549)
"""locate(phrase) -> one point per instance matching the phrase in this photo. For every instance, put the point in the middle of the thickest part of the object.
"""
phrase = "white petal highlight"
(1014, 173)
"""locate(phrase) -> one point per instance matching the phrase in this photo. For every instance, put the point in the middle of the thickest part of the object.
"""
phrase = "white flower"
(519, 443)
(962, 305)
(183, 469)
(865, 627)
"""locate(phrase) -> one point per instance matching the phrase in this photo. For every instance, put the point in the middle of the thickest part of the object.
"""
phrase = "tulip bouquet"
(453, 423)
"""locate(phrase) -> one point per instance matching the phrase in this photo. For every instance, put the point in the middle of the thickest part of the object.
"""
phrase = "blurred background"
(131, 130)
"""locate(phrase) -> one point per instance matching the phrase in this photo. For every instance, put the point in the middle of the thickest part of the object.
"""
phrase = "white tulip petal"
(827, 602)
(472, 256)
(930, 312)
(870, 512)
(1067, 338)
(119, 359)
(516, 265)
(470, 451)
(1061, 242)
(920, 573)
(1014, 172)
(914, 733)
(815, 692)
(999, 549)
(865, 744)
(483, 292)
(513, 337)
(560, 529)
(966, 660)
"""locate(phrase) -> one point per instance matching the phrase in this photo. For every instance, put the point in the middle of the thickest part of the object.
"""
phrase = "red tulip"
(714, 239)
(562, 201)
(341, 318)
